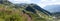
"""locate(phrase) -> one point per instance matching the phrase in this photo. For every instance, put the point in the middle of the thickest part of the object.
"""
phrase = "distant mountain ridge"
(52, 8)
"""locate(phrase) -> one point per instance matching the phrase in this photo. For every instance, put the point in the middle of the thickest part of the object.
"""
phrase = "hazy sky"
(41, 3)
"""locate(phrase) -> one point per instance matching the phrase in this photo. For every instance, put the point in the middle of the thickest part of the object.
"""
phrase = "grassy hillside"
(28, 12)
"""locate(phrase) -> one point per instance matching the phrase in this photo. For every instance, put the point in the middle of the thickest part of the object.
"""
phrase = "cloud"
(25, 1)
(41, 3)
(19, 1)
(44, 3)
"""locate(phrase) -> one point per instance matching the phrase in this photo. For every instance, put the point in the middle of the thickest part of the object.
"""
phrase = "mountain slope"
(23, 12)
(33, 8)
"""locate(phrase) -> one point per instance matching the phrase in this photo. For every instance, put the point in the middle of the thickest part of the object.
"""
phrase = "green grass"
(8, 13)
